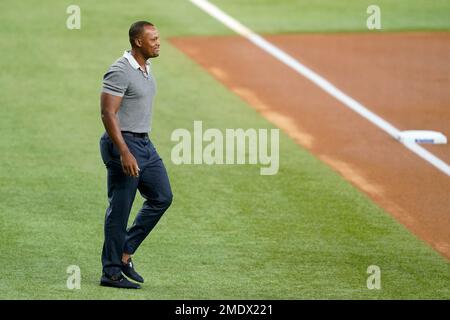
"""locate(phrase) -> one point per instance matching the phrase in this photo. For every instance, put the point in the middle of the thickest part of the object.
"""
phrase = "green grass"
(231, 233)
(288, 16)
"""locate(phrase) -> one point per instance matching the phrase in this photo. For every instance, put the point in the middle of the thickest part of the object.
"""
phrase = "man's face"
(149, 40)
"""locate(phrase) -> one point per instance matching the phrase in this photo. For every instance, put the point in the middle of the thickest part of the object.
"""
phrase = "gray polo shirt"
(125, 78)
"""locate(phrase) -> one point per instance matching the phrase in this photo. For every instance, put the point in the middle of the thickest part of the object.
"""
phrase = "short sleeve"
(115, 82)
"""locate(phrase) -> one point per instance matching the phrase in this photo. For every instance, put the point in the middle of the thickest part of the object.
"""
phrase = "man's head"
(144, 37)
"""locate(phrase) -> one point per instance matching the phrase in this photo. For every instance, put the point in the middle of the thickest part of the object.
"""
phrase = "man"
(131, 160)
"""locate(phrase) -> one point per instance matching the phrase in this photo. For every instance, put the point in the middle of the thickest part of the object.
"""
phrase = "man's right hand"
(129, 164)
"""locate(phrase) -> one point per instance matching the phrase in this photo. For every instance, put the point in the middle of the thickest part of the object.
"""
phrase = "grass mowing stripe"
(293, 16)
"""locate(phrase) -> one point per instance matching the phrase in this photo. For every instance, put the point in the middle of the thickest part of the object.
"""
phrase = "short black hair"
(136, 30)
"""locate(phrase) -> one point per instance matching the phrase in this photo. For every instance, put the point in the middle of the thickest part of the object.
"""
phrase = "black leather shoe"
(128, 270)
(118, 282)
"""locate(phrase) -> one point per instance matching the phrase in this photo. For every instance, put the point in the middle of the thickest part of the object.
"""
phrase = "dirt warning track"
(402, 77)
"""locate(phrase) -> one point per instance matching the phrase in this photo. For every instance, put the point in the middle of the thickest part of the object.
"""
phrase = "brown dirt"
(402, 77)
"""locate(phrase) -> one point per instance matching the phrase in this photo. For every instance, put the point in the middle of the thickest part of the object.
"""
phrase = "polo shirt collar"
(127, 55)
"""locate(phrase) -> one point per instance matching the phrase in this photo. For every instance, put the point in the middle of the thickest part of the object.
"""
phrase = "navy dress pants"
(152, 183)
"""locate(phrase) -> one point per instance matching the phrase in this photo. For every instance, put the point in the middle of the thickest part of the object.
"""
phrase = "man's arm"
(110, 105)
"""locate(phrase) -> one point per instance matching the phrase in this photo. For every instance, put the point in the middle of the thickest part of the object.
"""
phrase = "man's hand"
(129, 164)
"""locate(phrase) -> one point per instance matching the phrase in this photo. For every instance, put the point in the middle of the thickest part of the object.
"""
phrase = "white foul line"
(321, 82)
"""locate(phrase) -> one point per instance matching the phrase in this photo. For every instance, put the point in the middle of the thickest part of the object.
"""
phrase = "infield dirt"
(402, 77)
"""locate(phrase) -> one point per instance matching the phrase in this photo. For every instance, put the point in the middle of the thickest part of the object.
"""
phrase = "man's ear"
(138, 42)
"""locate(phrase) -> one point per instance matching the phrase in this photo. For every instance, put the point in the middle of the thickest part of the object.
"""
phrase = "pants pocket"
(109, 152)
